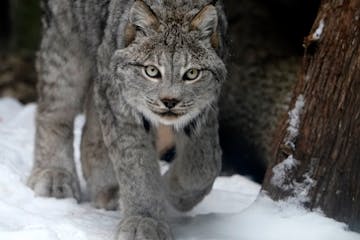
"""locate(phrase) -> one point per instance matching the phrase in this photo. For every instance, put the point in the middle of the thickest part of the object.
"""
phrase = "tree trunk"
(316, 160)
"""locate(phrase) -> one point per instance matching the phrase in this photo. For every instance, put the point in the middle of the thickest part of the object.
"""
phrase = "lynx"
(133, 67)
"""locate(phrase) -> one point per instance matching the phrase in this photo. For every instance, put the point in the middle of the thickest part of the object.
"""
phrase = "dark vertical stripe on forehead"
(187, 58)
(158, 58)
(172, 65)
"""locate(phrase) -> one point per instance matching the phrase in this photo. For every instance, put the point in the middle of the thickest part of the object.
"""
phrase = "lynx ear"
(206, 22)
(143, 18)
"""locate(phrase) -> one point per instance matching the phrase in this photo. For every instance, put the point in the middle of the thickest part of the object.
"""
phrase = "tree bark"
(316, 157)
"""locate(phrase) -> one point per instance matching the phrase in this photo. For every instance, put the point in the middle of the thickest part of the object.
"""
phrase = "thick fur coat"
(133, 66)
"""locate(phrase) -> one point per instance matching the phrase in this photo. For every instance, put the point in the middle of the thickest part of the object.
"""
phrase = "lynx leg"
(197, 164)
(53, 173)
(63, 79)
(131, 149)
(97, 167)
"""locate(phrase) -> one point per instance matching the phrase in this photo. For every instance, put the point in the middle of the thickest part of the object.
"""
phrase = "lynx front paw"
(54, 182)
(143, 228)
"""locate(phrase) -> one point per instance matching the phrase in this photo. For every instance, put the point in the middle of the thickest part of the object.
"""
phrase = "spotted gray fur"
(92, 58)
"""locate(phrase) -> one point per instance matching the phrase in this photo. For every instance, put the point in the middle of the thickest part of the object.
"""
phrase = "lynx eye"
(192, 74)
(152, 72)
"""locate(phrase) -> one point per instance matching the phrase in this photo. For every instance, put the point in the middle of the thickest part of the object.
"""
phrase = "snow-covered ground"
(231, 211)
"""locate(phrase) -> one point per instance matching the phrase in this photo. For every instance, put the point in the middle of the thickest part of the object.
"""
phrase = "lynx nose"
(170, 102)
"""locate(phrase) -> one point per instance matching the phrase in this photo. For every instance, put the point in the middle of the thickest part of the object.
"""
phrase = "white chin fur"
(177, 123)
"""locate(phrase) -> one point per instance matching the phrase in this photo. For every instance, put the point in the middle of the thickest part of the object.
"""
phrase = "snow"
(299, 190)
(317, 34)
(232, 211)
(294, 122)
(281, 170)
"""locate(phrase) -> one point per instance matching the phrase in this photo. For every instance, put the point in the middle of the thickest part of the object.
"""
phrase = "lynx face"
(170, 72)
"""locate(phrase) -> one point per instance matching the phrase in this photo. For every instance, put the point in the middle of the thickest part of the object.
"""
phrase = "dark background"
(265, 46)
